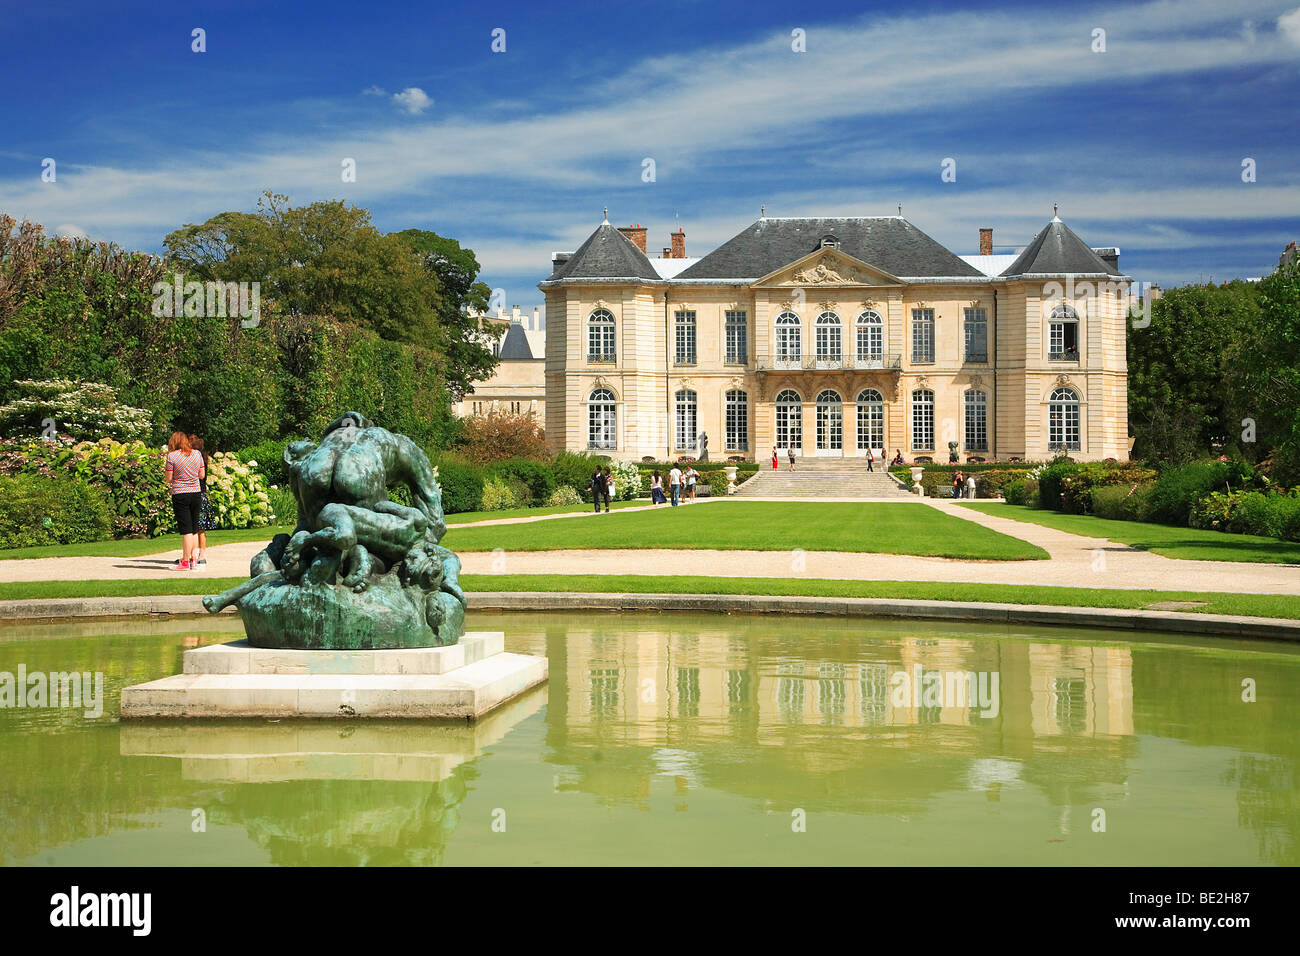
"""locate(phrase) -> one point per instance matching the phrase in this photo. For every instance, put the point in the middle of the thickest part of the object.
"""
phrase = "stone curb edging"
(1254, 628)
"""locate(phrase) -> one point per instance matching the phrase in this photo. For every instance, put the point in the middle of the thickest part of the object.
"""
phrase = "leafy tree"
(1274, 365)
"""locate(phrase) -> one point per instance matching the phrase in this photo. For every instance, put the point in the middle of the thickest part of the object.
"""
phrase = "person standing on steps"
(774, 458)
(790, 452)
(871, 458)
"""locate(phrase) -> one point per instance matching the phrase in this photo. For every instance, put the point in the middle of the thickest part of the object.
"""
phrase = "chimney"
(635, 233)
(986, 242)
(679, 244)
(668, 253)
(1110, 256)
(514, 316)
(537, 321)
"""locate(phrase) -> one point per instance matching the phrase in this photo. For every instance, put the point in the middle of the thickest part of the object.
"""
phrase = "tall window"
(600, 336)
(923, 420)
(684, 353)
(923, 335)
(1063, 419)
(602, 420)
(977, 335)
(830, 421)
(737, 420)
(871, 419)
(1063, 335)
(737, 346)
(789, 419)
(788, 343)
(871, 338)
(686, 420)
(977, 420)
(829, 341)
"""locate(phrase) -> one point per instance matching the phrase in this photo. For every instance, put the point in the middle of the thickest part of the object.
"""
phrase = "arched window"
(602, 419)
(789, 419)
(600, 336)
(871, 339)
(923, 420)
(871, 419)
(686, 419)
(977, 420)
(737, 413)
(788, 342)
(1063, 335)
(830, 420)
(1063, 420)
(829, 340)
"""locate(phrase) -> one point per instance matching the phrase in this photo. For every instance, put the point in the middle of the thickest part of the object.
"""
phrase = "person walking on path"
(184, 473)
(207, 513)
(774, 458)
(657, 490)
(970, 486)
(691, 477)
(790, 453)
(675, 484)
(597, 488)
(610, 493)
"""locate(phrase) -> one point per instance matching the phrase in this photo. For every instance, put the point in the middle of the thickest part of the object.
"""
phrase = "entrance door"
(789, 421)
(830, 424)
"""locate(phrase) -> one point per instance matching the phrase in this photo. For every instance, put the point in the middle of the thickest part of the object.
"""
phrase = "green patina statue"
(360, 571)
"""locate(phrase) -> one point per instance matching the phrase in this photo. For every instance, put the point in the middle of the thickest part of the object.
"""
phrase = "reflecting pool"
(688, 739)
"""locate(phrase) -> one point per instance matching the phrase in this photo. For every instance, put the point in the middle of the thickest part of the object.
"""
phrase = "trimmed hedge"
(40, 509)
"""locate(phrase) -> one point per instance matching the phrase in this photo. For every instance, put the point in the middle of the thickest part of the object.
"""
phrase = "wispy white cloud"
(413, 100)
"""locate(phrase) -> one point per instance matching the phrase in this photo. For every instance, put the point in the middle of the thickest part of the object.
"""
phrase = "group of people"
(870, 457)
(603, 488)
(681, 486)
(963, 485)
(186, 473)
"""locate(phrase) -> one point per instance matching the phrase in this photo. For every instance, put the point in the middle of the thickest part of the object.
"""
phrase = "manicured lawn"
(466, 516)
(135, 547)
(1172, 542)
(1250, 605)
(875, 527)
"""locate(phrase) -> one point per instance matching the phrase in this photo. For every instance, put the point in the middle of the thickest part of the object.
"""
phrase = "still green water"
(689, 739)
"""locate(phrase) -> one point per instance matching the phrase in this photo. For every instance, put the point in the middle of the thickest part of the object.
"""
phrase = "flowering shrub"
(498, 496)
(238, 494)
(1249, 512)
(563, 495)
(79, 410)
(627, 479)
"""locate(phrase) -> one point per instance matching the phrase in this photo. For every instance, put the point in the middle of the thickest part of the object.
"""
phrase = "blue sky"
(516, 153)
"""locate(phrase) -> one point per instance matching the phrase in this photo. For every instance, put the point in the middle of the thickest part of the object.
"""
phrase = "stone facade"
(790, 334)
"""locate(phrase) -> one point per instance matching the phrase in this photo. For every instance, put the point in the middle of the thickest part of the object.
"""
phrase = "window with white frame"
(1063, 335)
(736, 339)
(789, 419)
(871, 419)
(871, 337)
(977, 420)
(686, 418)
(923, 335)
(602, 420)
(1063, 420)
(977, 335)
(923, 420)
(788, 341)
(684, 338)
(600, 336)
(828, 338)
(737, 415)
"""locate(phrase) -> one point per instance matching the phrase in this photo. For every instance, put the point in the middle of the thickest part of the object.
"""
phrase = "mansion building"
(830, 336)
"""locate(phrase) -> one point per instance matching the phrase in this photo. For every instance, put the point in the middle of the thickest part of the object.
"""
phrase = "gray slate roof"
(607, 254)
(515, 344)
(890, 243)
(1056, 250)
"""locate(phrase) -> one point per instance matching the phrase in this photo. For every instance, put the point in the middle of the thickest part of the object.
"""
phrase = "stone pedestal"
(235, 680)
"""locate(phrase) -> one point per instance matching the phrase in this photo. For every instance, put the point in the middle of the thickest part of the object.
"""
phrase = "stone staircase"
(822, 478)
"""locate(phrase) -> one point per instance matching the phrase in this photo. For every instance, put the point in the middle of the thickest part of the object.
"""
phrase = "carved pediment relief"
(1062, 380)
(828, 267)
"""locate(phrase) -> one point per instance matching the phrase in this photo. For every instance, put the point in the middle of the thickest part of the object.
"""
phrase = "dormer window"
(830, 242)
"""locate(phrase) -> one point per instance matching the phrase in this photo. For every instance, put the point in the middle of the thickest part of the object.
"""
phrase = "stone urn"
(916, 481)
(730, 472)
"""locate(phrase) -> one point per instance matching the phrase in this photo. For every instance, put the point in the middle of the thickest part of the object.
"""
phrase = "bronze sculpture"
(360, 571)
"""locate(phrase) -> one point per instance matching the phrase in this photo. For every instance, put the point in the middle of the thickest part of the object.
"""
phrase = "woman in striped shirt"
(184, 473)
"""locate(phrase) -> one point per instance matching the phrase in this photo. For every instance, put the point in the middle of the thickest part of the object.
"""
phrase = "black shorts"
(187, 507)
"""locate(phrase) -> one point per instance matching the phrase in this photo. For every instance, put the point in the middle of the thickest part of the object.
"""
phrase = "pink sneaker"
(180, 566)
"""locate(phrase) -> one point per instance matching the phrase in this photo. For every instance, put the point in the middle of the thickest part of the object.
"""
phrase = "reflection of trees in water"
(1267, 803)
(348, 822)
